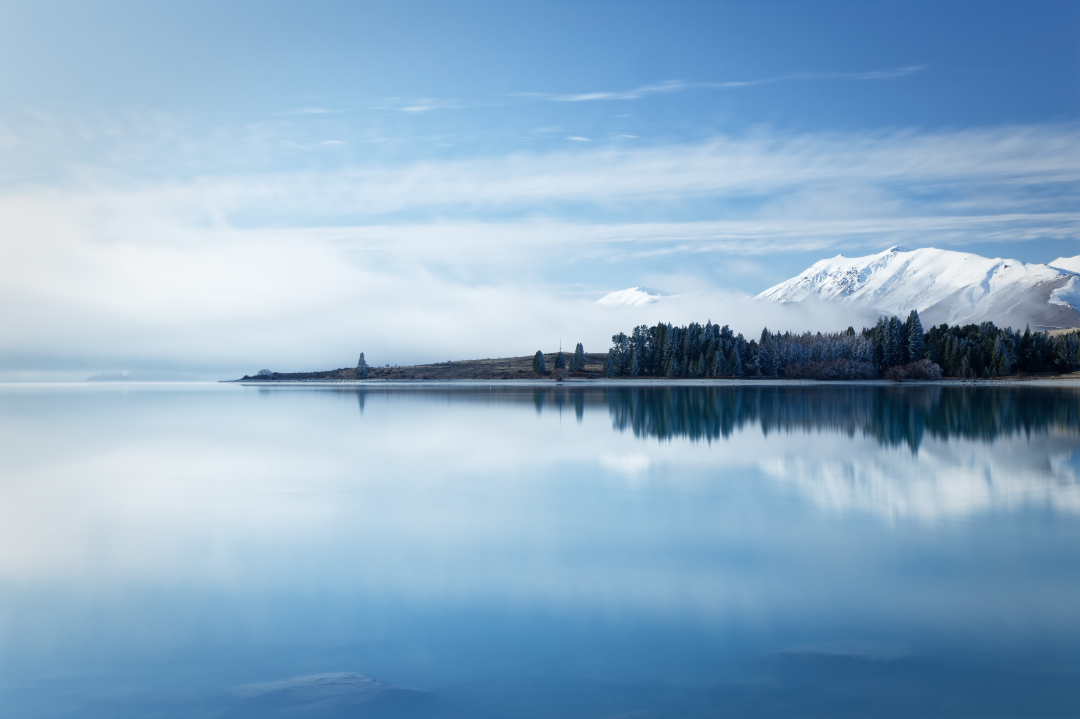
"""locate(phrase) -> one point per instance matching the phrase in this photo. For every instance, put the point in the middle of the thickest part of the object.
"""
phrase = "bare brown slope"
(502, 368)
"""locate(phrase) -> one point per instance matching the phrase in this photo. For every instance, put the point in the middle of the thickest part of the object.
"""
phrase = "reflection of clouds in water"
(317, 687)
(864, 651)
(632, 465)
(334, 694)
(947, 478)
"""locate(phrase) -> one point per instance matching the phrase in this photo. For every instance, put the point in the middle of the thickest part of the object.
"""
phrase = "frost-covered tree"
(361, 367)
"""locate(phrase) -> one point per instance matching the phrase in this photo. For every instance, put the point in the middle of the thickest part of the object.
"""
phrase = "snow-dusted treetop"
(944, 286)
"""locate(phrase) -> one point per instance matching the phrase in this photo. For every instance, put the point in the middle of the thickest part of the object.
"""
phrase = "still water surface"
(468, 551)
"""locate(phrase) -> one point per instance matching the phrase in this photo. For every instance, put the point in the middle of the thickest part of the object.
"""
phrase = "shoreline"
(1049, 381)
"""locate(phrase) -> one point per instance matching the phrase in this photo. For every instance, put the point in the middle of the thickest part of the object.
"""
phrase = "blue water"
(475, 551)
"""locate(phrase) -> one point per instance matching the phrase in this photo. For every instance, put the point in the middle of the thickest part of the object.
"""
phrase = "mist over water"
(492, 551)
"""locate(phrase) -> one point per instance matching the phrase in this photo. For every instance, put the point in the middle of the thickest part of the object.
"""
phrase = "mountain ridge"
(943, 286)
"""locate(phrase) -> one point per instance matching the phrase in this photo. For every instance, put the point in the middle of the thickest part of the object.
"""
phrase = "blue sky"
(204, 187)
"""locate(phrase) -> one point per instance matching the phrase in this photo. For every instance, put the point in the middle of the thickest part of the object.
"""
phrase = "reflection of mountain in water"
(947, 478)
(892, 415)
(971, 448)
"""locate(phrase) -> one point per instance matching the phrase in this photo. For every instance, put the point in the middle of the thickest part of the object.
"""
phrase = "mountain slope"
(944, 286)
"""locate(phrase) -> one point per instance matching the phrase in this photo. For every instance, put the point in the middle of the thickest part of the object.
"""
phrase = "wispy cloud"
(311, 111)
(420, 105)
(1000, 164)
(670, 86)
(428, 104)
(635, 94)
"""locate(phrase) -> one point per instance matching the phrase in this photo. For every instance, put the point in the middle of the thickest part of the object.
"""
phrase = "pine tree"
(579, 358)
(635, 365)
(964, 370)
(560, 360)
(606, 370)
(539, 366)
(362, 368)
(881, 341)
(915, 343)
(895, 345)
(1001, 358)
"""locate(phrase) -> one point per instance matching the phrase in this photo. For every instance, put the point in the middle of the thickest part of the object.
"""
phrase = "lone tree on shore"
(539, 365)
(362, 368)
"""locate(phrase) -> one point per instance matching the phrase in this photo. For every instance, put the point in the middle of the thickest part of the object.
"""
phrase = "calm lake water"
(468, 551)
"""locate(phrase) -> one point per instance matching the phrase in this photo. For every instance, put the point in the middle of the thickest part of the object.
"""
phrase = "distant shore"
(519, 370)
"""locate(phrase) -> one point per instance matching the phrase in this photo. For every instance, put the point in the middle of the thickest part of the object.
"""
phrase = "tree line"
(893, 348)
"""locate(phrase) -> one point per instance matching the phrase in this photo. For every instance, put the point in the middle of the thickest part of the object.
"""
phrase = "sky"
(207, 189)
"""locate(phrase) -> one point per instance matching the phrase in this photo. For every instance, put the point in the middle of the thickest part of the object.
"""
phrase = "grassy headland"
(501, 368)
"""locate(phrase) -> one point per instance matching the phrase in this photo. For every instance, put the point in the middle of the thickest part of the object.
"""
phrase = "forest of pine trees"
(893, 348)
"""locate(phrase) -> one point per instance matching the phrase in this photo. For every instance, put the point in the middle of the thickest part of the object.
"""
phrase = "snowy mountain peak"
(633, 297)
(944, 286)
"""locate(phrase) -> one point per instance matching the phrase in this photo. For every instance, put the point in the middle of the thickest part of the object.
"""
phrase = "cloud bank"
(102, 269)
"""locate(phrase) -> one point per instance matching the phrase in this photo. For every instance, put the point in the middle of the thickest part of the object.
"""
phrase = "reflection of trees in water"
(892, 415)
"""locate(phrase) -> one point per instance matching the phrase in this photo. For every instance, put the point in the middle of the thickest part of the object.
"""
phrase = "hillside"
(502, 368)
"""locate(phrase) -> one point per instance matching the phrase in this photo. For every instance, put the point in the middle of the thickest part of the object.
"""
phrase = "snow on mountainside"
(633, 296)
(1072, 264)
(944, 286)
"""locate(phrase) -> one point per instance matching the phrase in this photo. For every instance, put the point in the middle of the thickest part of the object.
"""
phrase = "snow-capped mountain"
(944, 286)
(633, 296)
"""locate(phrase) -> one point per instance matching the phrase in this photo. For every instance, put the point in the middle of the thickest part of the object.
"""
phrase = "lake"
(203, 550)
